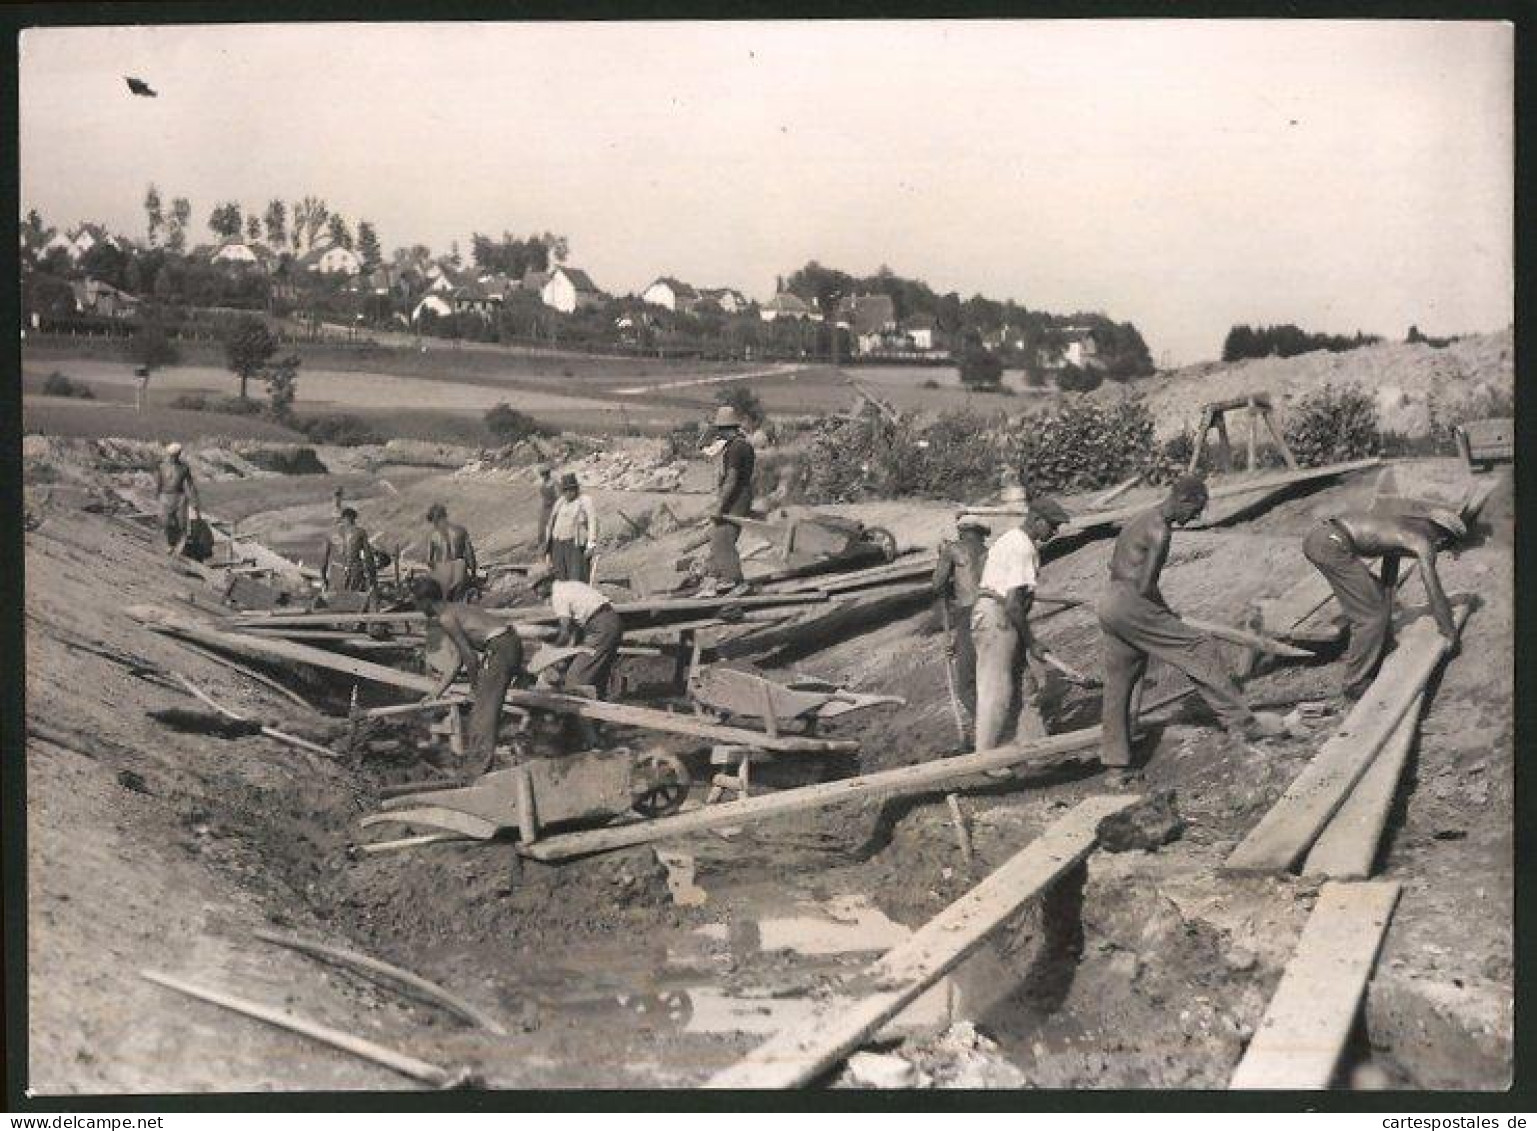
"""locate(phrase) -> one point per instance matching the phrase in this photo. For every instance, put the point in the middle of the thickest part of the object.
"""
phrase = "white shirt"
(576, 600)
(574, 520)
(1011, 563)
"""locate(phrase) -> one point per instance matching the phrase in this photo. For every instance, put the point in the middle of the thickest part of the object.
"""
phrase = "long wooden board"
(1300, 1040)
(1347, 848)
(1291, 826)
(797, 1056)
(273, 647)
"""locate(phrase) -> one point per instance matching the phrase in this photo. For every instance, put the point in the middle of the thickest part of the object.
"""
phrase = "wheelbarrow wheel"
(880, 536)
(659, 783)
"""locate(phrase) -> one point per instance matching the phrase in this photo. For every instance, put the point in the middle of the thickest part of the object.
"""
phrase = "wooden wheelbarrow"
(808, 539)
(720, 691)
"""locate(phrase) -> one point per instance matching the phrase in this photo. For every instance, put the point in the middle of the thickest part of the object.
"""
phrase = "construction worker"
(490, 655)
(548, 493)
(588, 618)
(733, 497)
(1136, 622)
(957, 576)
(1336, 547)
(999, 624)
(450, 554)
(177, 494)
(350, 550)
(572, 532)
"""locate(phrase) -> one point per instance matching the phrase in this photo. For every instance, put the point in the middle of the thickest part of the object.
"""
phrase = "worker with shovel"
(1136, 623)
(490, 655)
(177, 495)
(1000, 624)
(957, 576)
(1337, 547)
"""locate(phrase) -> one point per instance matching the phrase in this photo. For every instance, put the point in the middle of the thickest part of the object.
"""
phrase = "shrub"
(340, 429)
(980, 368)
(201, 402)
(1072, 379)
(746, 403)
(1481, 404)
(1333, 424)
(58, 385)
(282, 385)
(1169, 459)
(1083, 444)
(930, 383)
(955, 457)
(509, 425)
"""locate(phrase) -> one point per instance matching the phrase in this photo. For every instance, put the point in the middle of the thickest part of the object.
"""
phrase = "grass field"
(68, 416)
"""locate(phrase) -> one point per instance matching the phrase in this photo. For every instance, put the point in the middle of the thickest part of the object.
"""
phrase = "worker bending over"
(588, 618)
(450, 554)
(349, 550)
(957, 577)
(1001, 629)
(490, 655)
(176, 494)
(1336, 547)
(1136, 622)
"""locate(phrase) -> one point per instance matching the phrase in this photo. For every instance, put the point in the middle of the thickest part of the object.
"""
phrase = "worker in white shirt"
(1000, 629)
(588, 618)
(572, 533)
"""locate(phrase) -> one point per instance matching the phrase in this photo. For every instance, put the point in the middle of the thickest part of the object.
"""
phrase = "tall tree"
(368, 246)
(225, 221)
(248, 349)
(153, 215)
(253, 229)
(310, 216)
(181, 216)
(336, 228)
(276, 221)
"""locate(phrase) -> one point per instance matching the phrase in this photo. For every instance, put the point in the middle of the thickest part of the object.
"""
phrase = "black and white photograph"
(815, 554)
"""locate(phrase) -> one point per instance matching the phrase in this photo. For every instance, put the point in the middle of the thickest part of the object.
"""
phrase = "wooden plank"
(1300, 1040)
(357, 1046)
(1110, 496)
(1286, 832)
(1248, 639)
(797, 1056)
(265, 680)
(1347, 848)
(389, 973)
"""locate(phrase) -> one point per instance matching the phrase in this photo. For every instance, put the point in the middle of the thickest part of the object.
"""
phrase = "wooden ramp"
(794, 1058)
(1304, 1031)
(1291, 826)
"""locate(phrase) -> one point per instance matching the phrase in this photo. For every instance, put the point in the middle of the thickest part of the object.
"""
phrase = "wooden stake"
(962, 832)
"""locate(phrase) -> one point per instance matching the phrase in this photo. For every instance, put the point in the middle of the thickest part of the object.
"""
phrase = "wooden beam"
(389, 973)
(265, 680)
(1347, 848)
(357, 1046)
(1106, 498)
(1304, 1031)
(797, 1056)
(1291, 826)
(1248, 639)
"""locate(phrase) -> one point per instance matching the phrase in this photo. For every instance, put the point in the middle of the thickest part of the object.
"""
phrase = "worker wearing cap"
(450, 554)
(489, 653)
(1000, 625)
(1336, 547)
(733, 498)
(957, 577)
(548, 493)
(1136, 622)
(587, 617)
(176, 493)
(572, 532)
(349, 550)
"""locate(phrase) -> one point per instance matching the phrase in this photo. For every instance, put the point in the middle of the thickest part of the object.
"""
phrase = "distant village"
(317, 278)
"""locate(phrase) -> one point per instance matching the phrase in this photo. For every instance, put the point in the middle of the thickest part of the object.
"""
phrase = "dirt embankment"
(150, 848)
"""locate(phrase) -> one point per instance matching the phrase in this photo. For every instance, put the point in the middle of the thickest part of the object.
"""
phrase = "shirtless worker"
(350, 551)
(490, 655)
(1136, 622)
(1336, 547)
(450, 554)
(957, 575)
(176, 492)
(1000, 624)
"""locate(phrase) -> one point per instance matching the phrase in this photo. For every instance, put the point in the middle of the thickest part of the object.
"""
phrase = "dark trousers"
(1366, 602)
(174, 510)
(965, 656)
(602, 633)
(569, 560)
(501, 661)
(725, 562)
(1134, 628)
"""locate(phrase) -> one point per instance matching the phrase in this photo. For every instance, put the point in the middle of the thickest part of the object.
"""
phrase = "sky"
(1183, 175)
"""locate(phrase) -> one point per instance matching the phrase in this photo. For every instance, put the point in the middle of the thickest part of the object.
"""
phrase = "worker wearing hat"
(450, 554)
(572, 533)
(1337, 548)
(177, 494)
(548, 493)
(957, 576)
(1000, 625)
(733, 499)
(1136, 622)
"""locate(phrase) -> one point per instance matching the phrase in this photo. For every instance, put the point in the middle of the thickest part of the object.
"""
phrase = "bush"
(1072, 379)
(201, 402)
(340, 429)
(1083, 444)
(58, 385)
(509, 425)
(1481, 404)
(930, 383)
(1333, 424)
(1169, 459)
(980, 368)
(955, 457)
(746, 403)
